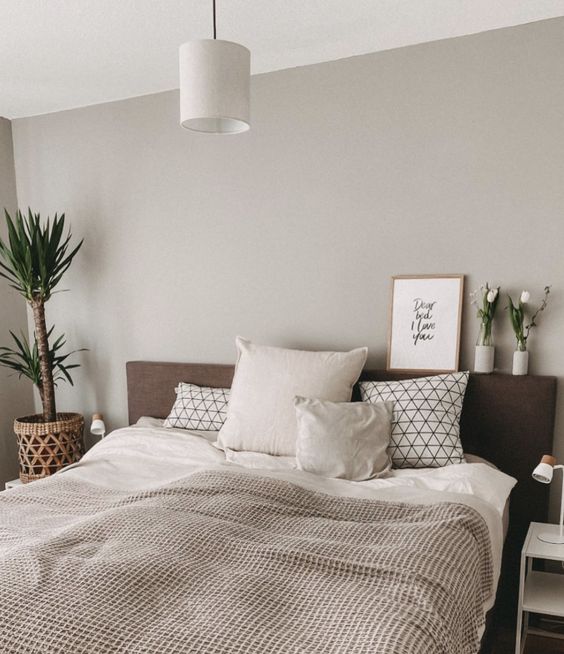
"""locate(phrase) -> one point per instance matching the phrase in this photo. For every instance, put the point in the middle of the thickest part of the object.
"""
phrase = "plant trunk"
(47, 386)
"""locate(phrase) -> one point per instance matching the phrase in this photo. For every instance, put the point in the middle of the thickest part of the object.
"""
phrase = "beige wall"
(15, 396)
(442, 157)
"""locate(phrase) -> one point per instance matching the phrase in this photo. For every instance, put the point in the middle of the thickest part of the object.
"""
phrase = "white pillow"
(261, 415)
(198, 407)
(426, 422)
(343, 440)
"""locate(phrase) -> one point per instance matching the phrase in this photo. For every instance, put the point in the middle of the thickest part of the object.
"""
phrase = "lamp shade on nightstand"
(98, 427)
(543, 473)
(545, 469)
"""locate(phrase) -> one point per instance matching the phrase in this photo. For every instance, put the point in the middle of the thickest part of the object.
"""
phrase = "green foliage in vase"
(518, 314)
(486, 307)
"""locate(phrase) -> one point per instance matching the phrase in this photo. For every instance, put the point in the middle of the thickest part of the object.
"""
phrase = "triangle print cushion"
(200, 408)
(426, 419)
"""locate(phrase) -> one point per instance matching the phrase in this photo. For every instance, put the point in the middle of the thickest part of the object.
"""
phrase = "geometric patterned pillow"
(426, 419)
(198, 407)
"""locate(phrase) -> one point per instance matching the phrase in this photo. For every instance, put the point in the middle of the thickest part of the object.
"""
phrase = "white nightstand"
(539, 592)
(12, 484)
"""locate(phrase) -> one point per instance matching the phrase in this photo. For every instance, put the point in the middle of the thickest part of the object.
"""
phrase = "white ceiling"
(59, 54)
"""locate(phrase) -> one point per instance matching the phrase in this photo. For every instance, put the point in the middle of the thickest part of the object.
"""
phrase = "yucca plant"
(34, 259)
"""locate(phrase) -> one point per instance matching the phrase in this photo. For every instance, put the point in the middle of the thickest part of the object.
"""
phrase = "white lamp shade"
(98, 428)
(543, 473)
(215, 81)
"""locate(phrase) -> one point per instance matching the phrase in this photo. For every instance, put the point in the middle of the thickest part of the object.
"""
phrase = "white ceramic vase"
(520, 362)
(484, 356)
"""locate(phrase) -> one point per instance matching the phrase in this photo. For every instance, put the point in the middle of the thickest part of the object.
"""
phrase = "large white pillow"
(261, 415)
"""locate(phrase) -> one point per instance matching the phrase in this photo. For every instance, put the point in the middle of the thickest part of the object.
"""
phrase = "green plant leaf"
(24, 359)
(34, 258)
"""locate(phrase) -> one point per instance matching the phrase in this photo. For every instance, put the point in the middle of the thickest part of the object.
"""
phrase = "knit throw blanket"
(231, 562)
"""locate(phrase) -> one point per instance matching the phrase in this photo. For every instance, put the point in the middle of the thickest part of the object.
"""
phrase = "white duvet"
(147, 455)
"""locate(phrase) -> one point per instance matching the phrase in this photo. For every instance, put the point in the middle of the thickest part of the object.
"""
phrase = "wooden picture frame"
(425, 321)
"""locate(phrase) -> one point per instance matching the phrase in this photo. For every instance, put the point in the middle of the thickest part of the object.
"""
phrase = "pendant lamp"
(215, 81)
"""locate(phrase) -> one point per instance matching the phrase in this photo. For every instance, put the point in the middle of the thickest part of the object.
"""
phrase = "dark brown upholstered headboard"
(505, 419)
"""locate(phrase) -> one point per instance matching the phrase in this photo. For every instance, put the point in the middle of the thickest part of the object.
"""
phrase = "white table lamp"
(98, 428)
(543, 473)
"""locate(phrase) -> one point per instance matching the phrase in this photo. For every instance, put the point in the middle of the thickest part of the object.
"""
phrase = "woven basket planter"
(45, 447)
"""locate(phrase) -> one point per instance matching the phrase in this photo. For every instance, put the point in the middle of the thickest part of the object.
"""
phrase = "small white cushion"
(344, 440)
(261, 415)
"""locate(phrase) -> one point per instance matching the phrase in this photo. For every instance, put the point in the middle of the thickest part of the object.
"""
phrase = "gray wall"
(442, 157)
(15, 396)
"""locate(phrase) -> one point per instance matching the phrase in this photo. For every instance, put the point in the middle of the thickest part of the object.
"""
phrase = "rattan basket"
(45, 447)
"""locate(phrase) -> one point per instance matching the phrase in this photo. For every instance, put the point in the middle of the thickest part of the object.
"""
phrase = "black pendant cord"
(214, 25)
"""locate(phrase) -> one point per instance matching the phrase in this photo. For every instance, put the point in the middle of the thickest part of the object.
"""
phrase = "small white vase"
(484, 358)
(520, 362)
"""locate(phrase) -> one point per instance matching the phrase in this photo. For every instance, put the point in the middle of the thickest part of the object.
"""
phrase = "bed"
(154, 543)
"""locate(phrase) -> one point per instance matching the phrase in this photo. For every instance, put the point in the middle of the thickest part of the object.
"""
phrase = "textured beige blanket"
(229, 562)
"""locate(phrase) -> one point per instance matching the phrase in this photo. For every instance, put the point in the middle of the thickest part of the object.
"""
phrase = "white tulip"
(492, 294)
(525, 297)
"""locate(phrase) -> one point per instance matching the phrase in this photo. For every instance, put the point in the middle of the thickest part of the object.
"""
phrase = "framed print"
(425, 318)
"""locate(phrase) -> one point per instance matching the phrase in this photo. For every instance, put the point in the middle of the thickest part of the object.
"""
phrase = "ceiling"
(60, 54)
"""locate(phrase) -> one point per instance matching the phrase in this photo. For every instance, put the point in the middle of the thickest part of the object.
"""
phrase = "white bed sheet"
(147, 456)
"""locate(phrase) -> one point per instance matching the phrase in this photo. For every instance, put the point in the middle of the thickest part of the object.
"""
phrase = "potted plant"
(517, 314)
(485, 351)
(34, 259)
